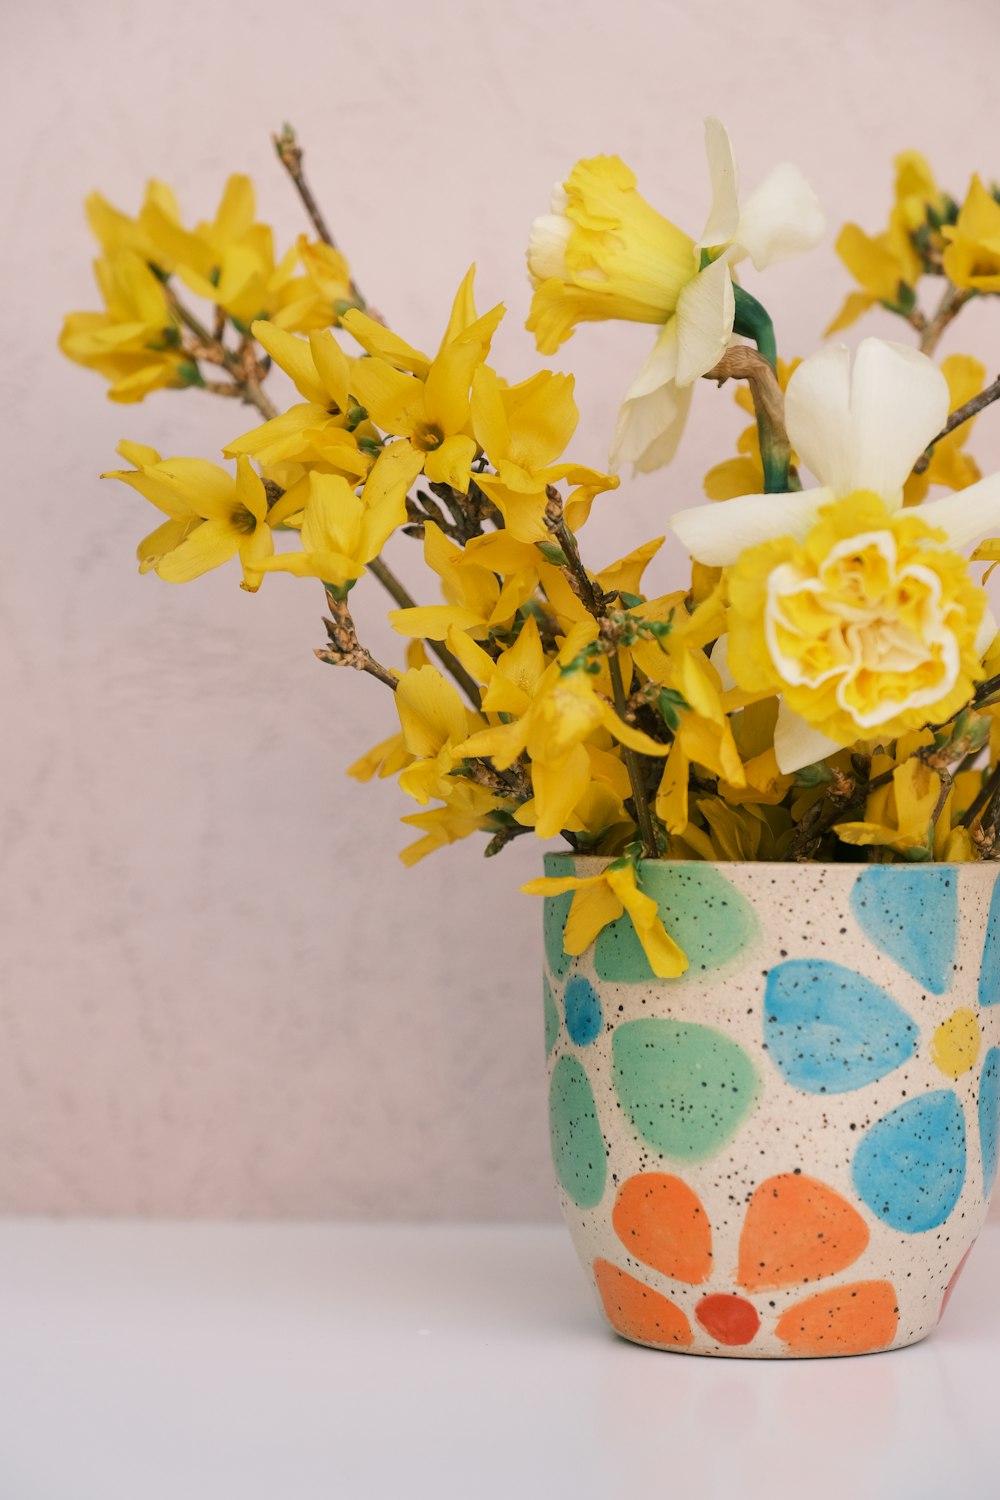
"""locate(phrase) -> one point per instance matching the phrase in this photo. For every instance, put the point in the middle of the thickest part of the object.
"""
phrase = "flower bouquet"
(777, 790)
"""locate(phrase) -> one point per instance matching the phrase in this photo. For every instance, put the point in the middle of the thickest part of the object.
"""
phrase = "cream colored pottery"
(789, 1151)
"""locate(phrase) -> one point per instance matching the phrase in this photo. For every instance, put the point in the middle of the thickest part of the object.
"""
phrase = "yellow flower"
(867, 626)
(601, 899)
(343, 531)
(434, 722)
(476, 602)
(888, 265)
(950, 465)
(899, 815)
(972, 257)
(523, 429)
(135, 342)
(556, 709)
(116, 232)
(326, 427)
(469, 809)
(603, 252)
(212, 516)
(328, 272)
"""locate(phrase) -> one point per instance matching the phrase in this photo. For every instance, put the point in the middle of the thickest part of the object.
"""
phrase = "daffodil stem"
(398, 590)
(753, 366)
(593, 601)
(753, 321)
(244, 377)
(959, 415)
(290, 154)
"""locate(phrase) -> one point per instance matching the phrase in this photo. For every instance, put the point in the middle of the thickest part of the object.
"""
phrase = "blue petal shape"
(912, 915)
(989, 1117)
(989, 973)
(830, 1030)
(583, 1011)
(910, 1167)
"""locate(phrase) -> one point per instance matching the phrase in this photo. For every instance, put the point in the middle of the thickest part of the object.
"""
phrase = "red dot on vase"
(728, 1319)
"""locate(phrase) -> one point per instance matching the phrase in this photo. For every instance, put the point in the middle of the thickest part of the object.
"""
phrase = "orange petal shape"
(661, 1222)
(636, 1311)
(728, 1319)
(852, 1319)
(797, 1229)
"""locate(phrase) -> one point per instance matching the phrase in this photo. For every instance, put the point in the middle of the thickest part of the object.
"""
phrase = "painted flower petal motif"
(728, 1319)
(913, 916)
(661, 1222)
(551, 1017)
(686, 1088)
(829, 1030)
(797, 1229)
(556, 912)
(854, 1319)
(577, 1142)
(989, 973)
(584, 1017)
(956, 1043)
(910, 1167)
(636, 1311)
(989, 1117)
(703, 912)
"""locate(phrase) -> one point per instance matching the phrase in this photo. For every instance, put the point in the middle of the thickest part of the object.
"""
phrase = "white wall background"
(221, 993)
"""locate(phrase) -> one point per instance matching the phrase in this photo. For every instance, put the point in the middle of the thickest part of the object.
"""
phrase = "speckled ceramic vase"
(788, 1151)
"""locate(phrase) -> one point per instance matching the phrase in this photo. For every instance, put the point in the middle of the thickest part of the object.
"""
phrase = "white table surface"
(324, 1362)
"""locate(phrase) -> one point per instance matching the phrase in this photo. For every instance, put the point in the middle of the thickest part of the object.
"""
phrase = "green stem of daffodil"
(753, 366)
(753, 321)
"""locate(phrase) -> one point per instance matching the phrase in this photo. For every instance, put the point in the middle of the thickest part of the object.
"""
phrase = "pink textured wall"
(221, 992)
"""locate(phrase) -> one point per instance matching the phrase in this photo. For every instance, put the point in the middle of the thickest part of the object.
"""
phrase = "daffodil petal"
(780, 218)
(864, 429)
(798, 744)
(724, 215)
(705, 312)
(717, 534)
(653, 414)
(966, 515)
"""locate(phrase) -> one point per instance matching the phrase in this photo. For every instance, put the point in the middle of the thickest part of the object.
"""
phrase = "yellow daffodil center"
(867, 627)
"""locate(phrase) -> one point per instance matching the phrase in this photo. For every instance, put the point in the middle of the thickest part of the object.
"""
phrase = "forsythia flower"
(469, 809)
(135, 342)
(950, 465)
(899, 815)
(212, 516)
(603, 252)
(434, 721)
(852, 611)
(972, 257)
(522, 429)
(887, 266)
(601, 899)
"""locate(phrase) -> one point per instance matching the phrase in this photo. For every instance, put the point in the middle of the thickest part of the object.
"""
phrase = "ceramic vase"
(789, 1150)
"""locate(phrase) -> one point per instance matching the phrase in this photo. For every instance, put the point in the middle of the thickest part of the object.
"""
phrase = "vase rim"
(600, 861)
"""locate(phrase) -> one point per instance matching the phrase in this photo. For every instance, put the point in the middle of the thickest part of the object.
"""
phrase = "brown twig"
(345, 650)
(398, 591)
(961, 414)
(290, 155)
(242, 367)
(594, 602)
(950, 306)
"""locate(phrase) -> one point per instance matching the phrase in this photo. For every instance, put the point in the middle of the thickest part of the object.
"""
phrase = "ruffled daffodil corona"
(865, 619)
(603, 252)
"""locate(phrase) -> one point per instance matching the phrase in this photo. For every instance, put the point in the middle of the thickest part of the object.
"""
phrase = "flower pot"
(789, 1150)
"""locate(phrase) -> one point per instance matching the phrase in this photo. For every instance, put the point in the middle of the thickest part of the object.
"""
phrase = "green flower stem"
(753, 321)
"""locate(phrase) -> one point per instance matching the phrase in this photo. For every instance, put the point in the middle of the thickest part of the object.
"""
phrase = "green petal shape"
(556, 912)
(577, 1142)
(686, 1088)
(700, 909)
(551, 1018)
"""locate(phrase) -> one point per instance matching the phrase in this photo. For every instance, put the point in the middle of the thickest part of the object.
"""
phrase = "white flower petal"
(719, 657)
(780, 218)
(986, 632)
(717, 534)
(864, 430)
(653, 414)
(705, 312)
(547, 246)
(798, 744)
(724, 215)
(967, 514)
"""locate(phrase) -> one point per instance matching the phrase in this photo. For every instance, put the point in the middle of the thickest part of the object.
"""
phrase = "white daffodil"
(603, 252)
(860, 613)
